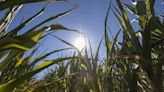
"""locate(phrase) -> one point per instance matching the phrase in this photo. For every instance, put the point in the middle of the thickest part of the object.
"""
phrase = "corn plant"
(16, 70)
(131, 65)
(147, 53)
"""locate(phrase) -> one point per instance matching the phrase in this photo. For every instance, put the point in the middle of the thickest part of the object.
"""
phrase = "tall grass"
(15, 70)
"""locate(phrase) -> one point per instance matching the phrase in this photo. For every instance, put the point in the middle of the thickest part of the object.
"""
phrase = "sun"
(79, 42)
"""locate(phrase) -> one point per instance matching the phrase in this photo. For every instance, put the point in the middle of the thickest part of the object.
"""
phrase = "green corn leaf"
(20, 60)
(107, 40)
(51, 18)
(61, 27)
(85, 80)
(90, 47)
(18, 28)
(46, 55)
(115, 42)
(29, 39)
(10, 3)
(7, 87)
(130, 8)
(8, 18)
(97, 51)
(44, 85)
(84, 67)
(95, 59)
(132, 38)
(150, 6)
(9, 58)
(23, 42)
(156, 32)
(68, 44)
(3, 54)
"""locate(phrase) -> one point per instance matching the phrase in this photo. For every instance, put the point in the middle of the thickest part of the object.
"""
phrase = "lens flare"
(79, 43)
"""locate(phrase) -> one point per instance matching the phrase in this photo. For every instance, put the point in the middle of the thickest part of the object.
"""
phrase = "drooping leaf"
(9, 3)
(61, 27)
(23, 42)
(29, 39)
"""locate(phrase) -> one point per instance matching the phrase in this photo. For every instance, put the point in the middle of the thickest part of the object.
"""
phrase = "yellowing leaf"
(19, 62)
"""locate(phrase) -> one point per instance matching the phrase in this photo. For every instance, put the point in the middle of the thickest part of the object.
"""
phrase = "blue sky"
(87, 18)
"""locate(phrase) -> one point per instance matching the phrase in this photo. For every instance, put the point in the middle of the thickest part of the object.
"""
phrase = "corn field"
(134, 64)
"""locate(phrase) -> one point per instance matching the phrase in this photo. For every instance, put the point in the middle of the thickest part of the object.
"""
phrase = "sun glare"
(79, 43)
